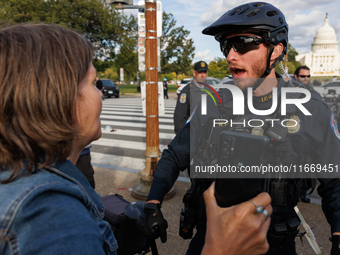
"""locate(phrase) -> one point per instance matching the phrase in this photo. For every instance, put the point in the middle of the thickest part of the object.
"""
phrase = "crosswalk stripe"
(131, 107)
(136, 133)
(123, 144)
(130, 124)
(138, 111)
(123, 116)
(132, 118)
(118, 113)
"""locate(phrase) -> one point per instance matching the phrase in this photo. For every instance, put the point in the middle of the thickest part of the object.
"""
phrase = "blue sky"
(304, 18)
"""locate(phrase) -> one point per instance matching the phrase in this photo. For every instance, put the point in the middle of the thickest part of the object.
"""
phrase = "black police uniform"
(316, 136)
(303, 189)
(184, 101)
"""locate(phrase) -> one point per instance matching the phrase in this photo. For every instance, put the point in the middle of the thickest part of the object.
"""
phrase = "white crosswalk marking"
(123, 147)
(136, 133)
(132, 118)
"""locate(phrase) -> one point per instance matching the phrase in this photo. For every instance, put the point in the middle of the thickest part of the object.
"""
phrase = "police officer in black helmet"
(254, 38)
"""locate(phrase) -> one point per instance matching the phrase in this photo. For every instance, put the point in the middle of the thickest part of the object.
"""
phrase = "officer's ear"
(194, 73)
(277, 51)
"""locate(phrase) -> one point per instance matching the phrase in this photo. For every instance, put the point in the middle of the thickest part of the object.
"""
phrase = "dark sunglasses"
(241, 44)
(304, 76)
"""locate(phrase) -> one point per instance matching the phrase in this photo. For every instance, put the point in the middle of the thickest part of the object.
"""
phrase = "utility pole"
(152, 152)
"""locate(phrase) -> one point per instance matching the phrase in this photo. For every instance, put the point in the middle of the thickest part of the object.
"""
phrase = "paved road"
(123, 147)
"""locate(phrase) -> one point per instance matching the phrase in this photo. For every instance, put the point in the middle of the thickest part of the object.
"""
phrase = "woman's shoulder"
(29, 190)
(43, 203)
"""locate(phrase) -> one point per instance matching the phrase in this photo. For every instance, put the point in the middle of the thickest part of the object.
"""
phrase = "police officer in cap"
(184, 100)
(254, 39)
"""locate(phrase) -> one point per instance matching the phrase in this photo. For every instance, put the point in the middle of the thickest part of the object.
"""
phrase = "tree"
(97, 22)
(177, 49)
(110, 74)
(127, 57)
(168, 76)
(292, 64)
(101, 65)
(219, 68)
(292, 53)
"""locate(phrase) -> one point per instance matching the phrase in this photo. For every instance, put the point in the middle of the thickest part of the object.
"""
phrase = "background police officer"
(302, 74)
(182, 110)
(254, 38)
(165, 88)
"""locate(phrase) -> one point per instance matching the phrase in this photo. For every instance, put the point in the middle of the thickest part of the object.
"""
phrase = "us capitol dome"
(324, 59)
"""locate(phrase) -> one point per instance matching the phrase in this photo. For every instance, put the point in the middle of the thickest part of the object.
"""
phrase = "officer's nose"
(232, 55)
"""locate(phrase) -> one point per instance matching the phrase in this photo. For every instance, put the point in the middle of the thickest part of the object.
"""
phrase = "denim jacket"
(53, 211)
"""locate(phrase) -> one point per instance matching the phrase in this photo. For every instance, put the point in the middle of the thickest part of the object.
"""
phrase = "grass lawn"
(126, 88)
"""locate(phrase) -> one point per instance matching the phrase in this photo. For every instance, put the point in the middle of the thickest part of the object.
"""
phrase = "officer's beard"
(256, 71)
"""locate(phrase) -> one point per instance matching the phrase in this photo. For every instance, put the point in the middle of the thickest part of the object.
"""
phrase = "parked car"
(181, 85)
(110, 88)
(210, 81)
(228, 80)
(324, 89)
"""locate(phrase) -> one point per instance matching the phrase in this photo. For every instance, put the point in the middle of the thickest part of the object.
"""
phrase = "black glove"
(151, 222)
(335, 244)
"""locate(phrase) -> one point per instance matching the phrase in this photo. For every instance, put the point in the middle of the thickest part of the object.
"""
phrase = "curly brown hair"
(41, 66)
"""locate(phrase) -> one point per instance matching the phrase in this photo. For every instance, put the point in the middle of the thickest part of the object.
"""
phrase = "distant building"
(324, 59)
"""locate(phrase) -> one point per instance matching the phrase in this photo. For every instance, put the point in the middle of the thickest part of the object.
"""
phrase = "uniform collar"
(196, 85)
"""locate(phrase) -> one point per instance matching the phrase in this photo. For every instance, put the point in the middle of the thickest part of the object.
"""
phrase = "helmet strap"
(268, 68)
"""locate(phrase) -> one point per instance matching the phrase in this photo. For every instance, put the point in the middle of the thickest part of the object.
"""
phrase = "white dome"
(325, 38)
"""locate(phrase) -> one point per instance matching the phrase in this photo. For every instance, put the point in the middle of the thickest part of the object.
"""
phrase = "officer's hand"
(151, 222)
(335, 245)
(236, 229)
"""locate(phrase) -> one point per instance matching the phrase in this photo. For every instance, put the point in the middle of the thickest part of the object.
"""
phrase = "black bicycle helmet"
(260, 17)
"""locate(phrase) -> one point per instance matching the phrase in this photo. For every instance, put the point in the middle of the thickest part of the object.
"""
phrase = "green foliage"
(127, 57)
(19, 11)
(107, 29)
(292, 53)
(168, 76)
(291, 67)
(127, 88)
(172, 88)
(101, 65)
(111, 74)
(177, 49)
(96, 21)
(218, 68)
(291, 63)
(142, 76)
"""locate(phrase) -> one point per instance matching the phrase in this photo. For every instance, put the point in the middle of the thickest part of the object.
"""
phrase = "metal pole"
(152, 120)
(152, 152)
